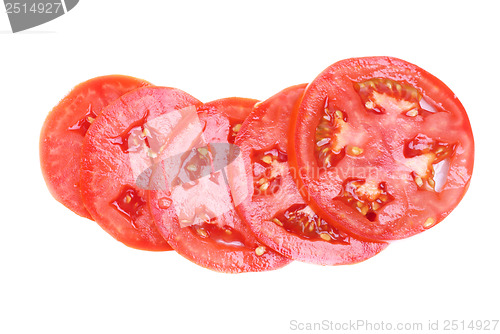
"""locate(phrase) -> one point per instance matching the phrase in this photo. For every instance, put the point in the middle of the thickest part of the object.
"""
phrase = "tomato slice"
(194, 210)
(121, 143)
(271, 203)
(383, 149)
(63, 131)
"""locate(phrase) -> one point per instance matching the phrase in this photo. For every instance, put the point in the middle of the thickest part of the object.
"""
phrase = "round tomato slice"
(120, 144)
(190, 198)
(63, 131)
(383, 149)
(271, 203)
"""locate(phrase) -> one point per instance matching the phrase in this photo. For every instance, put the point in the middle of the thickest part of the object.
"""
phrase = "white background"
(62, 274)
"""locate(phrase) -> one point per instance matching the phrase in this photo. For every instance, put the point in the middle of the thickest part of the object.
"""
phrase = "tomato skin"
(219, 118)
(265, 129)
(413, 210)
(106, 169)
(60, 147)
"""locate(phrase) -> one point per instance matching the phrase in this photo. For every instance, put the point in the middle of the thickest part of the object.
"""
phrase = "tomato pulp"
(383, 149)
(121, 143)
(190, 198)
(63, 131)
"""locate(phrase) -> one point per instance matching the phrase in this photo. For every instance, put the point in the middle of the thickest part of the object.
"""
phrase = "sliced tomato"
(271, 203)
(190, 200)
(63, 131)
(121, 143)
(383, 149)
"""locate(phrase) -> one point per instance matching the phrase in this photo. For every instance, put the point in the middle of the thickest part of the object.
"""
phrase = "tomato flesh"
(121, 143)
(269, 201)
(63, 131)
(195, 212)
(383, 149)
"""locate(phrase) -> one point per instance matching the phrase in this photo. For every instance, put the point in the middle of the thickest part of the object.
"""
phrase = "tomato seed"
(164, 203)
(429, 222)
(260, 250)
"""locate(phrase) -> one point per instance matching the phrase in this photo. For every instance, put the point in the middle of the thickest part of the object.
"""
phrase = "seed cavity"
(366, 197)
(328, 152)
(129, 203)
(138, 136)
(194, 164)
(268, 168)
(300, 220)
(383, 95)
(224, 235)
(84, 123)
(424, 154)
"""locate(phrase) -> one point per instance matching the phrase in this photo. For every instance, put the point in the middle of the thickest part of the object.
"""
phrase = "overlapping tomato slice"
(119, 145)
(269, 201)
(189, 193)
(63, 131)
(383, 149)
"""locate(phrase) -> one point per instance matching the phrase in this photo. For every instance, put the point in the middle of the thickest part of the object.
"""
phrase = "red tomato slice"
(195, 212)
(119, 144)
(63, 131)
(271, 203)
(384, 149)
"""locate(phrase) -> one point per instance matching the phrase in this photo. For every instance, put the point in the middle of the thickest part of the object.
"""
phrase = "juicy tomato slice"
(63, 131)
(121, 143)
(383, 149)
(271, 203)
(194, 210)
